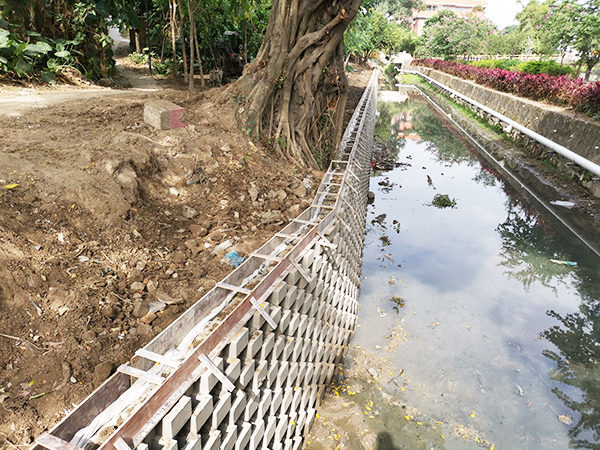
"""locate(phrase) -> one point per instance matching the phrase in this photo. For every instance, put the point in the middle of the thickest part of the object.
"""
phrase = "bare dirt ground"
(101, 216)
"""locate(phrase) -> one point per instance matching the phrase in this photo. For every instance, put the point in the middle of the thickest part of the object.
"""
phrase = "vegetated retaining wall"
(246, 365)
(578, 135)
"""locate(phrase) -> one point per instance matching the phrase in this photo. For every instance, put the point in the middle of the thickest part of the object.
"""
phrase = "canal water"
(476, 329)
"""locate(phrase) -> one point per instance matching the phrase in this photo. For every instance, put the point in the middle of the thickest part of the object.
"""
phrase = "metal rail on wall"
(231, 303)
(572, 156)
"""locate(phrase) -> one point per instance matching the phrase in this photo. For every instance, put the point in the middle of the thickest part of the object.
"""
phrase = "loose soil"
(101, 215)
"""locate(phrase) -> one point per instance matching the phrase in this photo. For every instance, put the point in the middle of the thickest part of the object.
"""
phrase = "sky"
(502, 12)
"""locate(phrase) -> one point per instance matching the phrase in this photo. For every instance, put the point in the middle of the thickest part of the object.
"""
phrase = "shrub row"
(577, 94)
(516, 65)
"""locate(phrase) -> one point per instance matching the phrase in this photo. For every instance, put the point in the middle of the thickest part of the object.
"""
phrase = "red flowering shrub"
(542, 87)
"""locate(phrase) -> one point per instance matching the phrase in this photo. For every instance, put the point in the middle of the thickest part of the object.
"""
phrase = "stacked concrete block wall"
(268, 373)
(281, 375)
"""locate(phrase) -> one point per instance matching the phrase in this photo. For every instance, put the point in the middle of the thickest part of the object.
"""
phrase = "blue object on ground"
(234, 259)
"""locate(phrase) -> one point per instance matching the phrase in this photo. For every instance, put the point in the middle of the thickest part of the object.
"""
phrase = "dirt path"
(101, 216)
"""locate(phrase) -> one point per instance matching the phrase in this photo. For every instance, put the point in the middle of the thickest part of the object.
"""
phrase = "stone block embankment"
(579, 135)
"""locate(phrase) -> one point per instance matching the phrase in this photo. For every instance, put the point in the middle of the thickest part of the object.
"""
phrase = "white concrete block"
(177, 417)
(201, 413)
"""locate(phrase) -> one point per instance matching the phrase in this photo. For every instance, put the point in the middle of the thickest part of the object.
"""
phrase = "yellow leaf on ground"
(11, 186)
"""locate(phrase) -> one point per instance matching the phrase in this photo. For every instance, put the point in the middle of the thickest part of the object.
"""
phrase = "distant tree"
(530, 20)
(576, 24)
(372, 32)
(448, 36)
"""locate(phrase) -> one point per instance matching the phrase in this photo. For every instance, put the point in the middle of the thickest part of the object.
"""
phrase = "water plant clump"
(443, 201)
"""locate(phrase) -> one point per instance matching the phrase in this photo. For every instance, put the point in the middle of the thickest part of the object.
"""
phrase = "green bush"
(390, 71)
(504, 64)
(547, 67)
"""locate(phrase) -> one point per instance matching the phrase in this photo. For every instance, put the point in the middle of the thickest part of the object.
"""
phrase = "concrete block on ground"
(278, 294)
(234, 369)
(214, 441)
(193, 444)
(230, 437)
(164, 115)
(292, 374)
(257, 435)
(282, 373)
(296, 399)
(201, 413)
(244, 433)
(281, 428)
(293, 326)
(251, 407)
(298, 344)
(260, 374)
(310, 419)
(247, 373)
(269, 430)
(208, 380)
(177, 417)
(237, 407)
(254, 344)
(238, 344)
(276, 400)
(288, 395)
(292, 424)
(288, 348)
(267, 345)
(284, 321)
(264, 404)
(297, 443)
(278, 347)
(221, 409)
(273, 372)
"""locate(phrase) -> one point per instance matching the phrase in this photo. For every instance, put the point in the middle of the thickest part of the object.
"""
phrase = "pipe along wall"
(247, 365)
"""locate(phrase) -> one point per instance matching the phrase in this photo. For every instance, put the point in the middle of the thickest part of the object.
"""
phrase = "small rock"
(223, 246)
(198, 231)
(62, 311)
(140, 309)
(155, 307)
(294, 210)
(73, 380)
(104, 82)
(189, 213)
(102, 371)
(373, 372)
(152, 286)
(300, 191)
(178, 257)
(174, 192)
(141, 265)
(193, 246)
(216, 235)
(148, 318)
(138, 286)
(108, 312)
(253, 192)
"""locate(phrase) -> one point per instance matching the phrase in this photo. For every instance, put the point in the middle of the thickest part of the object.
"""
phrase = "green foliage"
(448, 36)
(371, 32)
(505, 64)
(530, 22)
(549, 67)
(390, 71)
(575, 24)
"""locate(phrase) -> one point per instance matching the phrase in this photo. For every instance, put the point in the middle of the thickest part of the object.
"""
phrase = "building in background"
(460, 7)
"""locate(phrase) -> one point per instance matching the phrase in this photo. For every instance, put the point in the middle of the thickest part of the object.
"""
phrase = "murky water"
(477, 337)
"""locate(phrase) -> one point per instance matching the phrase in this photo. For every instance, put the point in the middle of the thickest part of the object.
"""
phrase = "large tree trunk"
(296, 88)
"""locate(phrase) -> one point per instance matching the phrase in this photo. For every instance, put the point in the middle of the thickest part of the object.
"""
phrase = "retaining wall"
(578, 135)
(246, 366)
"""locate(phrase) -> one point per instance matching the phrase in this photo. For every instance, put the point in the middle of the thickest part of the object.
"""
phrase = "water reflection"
(527, 250)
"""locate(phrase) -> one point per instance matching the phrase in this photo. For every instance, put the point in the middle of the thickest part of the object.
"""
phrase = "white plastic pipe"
(577, 159)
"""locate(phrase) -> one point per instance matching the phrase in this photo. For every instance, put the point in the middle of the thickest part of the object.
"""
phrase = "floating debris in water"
(398, 301)
(564, 263)
(566, 419)
(443, 201)
(519, 390)
(385, 240)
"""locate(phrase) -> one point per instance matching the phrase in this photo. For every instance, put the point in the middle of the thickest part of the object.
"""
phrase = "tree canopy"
(575, 24)
(448, 35)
